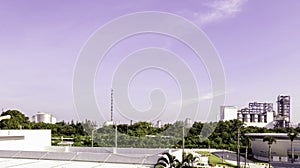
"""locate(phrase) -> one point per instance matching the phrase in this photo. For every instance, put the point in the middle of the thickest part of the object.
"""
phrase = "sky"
(41, 41)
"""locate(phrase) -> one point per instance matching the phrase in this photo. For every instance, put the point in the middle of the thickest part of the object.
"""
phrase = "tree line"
(221, 135)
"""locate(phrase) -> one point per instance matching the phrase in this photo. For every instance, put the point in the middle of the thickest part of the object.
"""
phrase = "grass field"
(214, 160)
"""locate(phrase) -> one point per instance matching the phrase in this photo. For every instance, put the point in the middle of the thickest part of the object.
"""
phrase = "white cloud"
(204, 97)
(220, 9)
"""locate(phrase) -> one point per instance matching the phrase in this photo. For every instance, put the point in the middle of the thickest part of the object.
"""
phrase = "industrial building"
(261, 114)
(283, 117)
(44, 117)
(257, 114)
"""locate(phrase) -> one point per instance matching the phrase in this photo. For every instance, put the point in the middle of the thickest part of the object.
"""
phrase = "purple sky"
(257, 41)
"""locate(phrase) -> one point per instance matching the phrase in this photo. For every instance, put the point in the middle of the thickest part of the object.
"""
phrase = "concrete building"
(44, 117)
(228, 113)
(281, 150)
(257, 114)
(25, 140)
(158, 124)
(108, 123)
(188, 123)
(282, 117)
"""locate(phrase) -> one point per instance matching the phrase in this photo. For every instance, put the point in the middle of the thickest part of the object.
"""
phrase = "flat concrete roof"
(275, 135)
(136, 156)
(29, 163)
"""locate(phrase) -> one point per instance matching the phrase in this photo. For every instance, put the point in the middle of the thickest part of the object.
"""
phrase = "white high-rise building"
(228, 113)
(44, 117)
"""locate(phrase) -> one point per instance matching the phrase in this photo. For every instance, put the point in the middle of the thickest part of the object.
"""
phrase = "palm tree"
(160, 165)
(167, 160)
(270, 141)
(188, 160)
(292, 135)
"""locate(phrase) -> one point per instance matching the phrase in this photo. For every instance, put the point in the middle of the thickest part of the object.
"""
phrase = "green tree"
(270, 141)
(17, 121)
(89, 126)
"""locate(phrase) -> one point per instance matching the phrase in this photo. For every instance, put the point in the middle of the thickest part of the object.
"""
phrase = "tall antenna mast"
(111, 105)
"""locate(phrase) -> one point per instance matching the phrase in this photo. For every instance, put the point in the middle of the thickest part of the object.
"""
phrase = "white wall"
(270, 116)
(25, 140)
(53, 120)
(259, 124)
(228, 113)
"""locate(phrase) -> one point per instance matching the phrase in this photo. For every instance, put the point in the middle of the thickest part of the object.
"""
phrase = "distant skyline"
(257, 42)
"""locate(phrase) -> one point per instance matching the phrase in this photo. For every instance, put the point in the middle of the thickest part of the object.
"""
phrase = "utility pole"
(238, 148)
(183, 132)
(222, 155)
(116, 135)
(111, 105)
(93, 137)
(246, 156)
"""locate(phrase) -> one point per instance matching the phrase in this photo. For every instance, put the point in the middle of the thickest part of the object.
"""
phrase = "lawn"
(214, 160)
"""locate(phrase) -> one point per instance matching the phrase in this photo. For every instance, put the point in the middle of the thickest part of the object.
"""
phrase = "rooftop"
(275, 135)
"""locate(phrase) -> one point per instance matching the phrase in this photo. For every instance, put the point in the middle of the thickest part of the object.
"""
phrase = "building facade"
(282, 117)
(188, 123)
(25, 140)
(281, 150)
(228, 113)
(44, 117)
(158, 124)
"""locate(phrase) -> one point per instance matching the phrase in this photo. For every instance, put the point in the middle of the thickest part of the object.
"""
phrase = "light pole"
(93, 137)
(183, 132)
(116, 135)
(238, 148)
(293, 153)
(95, 128)
(185, 124)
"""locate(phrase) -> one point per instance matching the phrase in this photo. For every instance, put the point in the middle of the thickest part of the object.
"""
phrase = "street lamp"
(183, 135)
(95, 128)
(238, 148)
(185, 124)
(116, 135)
(93, 136)
(293, 153)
